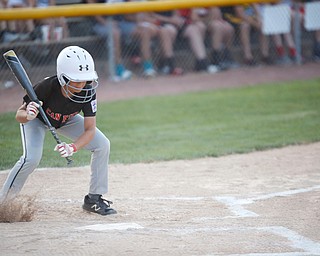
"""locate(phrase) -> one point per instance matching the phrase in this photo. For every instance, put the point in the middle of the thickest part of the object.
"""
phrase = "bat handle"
(54, 134)
(69, 161)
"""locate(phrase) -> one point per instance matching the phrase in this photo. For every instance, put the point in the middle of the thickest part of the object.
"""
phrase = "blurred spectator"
(281, 39)
(18, 30)
(101, 27)
(5, 37)
(194, 30)
(169, 23)
(3, 23)
(136, 29)
(247, 17)
(139, 27)
(222, 35)
(51, 29)
(316, 47)
(316, 44)
(129, 29)
(280, 48)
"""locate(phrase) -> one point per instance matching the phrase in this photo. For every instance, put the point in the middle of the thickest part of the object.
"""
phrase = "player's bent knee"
(102, 144)
(32, 161)
(105, 144)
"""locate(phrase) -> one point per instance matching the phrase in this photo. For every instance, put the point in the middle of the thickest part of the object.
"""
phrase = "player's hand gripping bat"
(22, 77)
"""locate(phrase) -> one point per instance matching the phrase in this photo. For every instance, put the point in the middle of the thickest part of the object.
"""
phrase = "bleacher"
(80, 33)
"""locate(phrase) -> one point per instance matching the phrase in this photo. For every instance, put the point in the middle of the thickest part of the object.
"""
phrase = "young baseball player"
(63, 97)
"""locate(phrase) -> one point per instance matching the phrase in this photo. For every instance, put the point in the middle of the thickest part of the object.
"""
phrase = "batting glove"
(65, 149)
(32, 110)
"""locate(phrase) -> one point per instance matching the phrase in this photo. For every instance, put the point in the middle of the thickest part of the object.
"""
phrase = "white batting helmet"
(76, 64)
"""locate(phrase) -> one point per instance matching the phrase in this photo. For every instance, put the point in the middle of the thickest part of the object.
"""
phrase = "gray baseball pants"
(33, 134)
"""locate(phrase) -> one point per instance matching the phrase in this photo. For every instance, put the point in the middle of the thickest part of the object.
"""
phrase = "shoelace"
(105, 201)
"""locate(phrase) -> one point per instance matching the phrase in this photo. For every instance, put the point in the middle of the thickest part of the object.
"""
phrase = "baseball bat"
(22, 77)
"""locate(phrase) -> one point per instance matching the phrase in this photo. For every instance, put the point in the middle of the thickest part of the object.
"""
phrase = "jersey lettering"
(67, 117)
(58, 116)
(54, 116)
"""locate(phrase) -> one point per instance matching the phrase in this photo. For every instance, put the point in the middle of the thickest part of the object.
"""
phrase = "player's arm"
(21, 115)
(89, 132)
(67, 150)
(29, 109)
(27, 112)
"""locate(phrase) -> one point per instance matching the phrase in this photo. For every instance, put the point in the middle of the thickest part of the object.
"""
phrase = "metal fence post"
(111, 60)
(297, 32)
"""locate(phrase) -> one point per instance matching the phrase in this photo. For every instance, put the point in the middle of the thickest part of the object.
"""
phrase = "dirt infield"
(258, 204)
(263, 203)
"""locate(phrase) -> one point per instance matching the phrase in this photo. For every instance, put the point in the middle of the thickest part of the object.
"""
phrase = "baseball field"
(264, 201)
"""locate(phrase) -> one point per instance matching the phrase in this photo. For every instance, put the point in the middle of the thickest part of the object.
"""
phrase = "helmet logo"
(81, 67)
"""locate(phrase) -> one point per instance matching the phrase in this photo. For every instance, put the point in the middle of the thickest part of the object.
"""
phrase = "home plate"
(114, 226)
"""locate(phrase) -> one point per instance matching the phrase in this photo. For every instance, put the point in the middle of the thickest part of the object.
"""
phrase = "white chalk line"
(66, 201)
(295, 240)
(281, 194)
(176, 198)
(170, 198)
(271, 254)
(225, 199)
(235, 205)
(112, 226)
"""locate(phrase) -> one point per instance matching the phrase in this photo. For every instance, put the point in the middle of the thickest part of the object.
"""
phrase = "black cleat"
(97, 204)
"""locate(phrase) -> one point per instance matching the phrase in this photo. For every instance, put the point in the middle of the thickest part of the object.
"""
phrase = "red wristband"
(74, 147)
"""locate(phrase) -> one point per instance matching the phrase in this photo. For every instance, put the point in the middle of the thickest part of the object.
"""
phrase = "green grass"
(193, 125)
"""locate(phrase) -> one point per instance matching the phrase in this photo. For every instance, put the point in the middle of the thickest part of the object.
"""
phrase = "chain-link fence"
(231, 37)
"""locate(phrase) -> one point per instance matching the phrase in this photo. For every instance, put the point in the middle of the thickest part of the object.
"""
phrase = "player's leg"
(32, 135)
(100, 148)
(167, 35)
(145, 32)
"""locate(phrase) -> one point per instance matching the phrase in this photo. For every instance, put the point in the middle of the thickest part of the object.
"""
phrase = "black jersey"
(58, 108)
